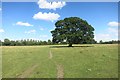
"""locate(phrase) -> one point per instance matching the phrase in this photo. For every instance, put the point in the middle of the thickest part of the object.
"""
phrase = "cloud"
(0, 9)
(41, 29)
(31, 31)
(113, 30)
(113, 24)
(1, 31)
(23, 24)
(43, 4)
(43, 36)
(109, 34)
(46, 16)
(102, 36)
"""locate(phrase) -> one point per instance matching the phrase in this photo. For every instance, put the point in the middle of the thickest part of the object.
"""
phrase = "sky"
(35, 20)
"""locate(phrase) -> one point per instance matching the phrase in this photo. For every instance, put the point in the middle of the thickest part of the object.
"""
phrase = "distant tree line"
(31, 42)
(26, 42)
(110, 42)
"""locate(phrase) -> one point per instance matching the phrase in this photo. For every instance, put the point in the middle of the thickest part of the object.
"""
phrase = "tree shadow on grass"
(68, 46)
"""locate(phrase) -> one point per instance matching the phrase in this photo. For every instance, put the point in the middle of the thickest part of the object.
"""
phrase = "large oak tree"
(73, 30)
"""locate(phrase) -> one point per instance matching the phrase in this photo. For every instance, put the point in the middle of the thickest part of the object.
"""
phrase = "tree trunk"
(70, 44)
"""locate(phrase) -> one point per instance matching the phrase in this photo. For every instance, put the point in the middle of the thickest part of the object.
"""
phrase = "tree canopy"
(73, 30)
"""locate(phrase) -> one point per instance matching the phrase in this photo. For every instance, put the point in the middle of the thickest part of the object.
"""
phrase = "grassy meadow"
(53, 61)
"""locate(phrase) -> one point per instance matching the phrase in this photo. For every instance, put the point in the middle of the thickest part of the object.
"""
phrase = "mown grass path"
(60, 71)
(27, 72)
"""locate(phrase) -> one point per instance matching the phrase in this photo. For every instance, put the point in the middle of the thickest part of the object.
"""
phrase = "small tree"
(7, 42)
(73, 30)
(101, 42)
(49, 42)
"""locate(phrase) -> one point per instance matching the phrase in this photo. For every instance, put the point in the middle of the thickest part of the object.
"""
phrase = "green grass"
(94, 61)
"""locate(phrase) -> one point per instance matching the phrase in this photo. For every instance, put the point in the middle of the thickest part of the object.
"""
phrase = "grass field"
(54, 61)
